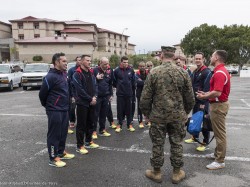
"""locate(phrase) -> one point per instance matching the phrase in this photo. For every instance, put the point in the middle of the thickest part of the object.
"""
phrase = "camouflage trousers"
(176, 132)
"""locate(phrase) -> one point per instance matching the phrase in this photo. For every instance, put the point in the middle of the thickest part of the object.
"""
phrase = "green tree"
(204, 38)
(37, 58)
(235, 39)
(114, 61)
(13, 52)
(133, 60)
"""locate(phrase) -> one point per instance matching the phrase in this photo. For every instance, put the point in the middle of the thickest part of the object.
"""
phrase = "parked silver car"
(33, 74)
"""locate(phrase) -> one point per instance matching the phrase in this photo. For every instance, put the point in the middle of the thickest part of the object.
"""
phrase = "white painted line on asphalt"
(134, 149)
(5, 140)
(244, 101)
(12, 93)
(233, 128)
(238, 124)
(239, 108)
(25, 161)
(40, 153)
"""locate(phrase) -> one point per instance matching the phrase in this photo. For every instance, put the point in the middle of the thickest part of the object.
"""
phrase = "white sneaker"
(216, 165)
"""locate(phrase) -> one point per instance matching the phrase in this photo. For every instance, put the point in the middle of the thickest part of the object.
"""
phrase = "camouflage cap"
(168, 49)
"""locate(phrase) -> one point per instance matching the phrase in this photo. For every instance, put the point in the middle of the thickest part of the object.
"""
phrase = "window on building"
(120, 52)
(21, 37)
(58, 33)
(114, 44)
(120, 37)
(120, 45)
(109, 35)
(108, 43)
(115, 51)
(71, 46)
(126, 53)
(20, 25)
(37, 36)
(36, 25)
(114, 36)
(25, 46)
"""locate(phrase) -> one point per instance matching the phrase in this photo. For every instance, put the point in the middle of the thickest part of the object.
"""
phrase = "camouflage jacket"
(167, 95)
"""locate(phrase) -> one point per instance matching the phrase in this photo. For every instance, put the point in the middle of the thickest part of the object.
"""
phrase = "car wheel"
(11, 86)
(24, 87)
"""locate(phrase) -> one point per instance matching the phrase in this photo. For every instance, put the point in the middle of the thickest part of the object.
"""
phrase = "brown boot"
(178, 175)
(154, 174)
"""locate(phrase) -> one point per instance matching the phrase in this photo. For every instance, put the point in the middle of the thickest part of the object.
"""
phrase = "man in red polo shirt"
(219, 106)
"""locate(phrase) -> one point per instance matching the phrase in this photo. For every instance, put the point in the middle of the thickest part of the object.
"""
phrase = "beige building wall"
(15, 31)
(58, 26)
(113, 43)
(83, 36)
(131, 49)
(27, 51)
(179, 52)
(103, 41)
(86, 27)
(100, 54)
(45, 29)
(107, 43)
(5, 31)
(6, 42)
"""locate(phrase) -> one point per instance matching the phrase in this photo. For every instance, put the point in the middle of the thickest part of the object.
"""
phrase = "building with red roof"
(71, 37)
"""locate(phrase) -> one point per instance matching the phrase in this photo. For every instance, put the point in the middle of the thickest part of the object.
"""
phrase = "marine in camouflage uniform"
(166, 99)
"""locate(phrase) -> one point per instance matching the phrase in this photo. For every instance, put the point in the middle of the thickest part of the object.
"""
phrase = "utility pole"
(122, 38)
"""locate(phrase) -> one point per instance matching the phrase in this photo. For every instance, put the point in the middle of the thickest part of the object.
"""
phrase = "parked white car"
(10, 75)
(33, 74)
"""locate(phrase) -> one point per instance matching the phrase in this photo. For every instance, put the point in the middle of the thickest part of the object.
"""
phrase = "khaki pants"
(218, 112)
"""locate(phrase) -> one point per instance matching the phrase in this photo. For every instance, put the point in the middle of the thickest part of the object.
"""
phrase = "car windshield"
(4, 69)
(36, 68)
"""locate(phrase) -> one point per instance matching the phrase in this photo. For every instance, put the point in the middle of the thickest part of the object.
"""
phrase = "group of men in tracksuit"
(92, 91)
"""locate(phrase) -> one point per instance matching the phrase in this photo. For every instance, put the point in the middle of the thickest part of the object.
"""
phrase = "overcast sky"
(150, 23)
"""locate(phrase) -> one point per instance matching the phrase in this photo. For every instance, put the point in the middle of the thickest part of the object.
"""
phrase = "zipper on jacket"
(57, 100)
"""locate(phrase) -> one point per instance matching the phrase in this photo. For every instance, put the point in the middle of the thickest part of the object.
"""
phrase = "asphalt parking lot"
(122, 158)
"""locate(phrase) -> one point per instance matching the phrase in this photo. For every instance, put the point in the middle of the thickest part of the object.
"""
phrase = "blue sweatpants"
(58, 122)
(101, 111)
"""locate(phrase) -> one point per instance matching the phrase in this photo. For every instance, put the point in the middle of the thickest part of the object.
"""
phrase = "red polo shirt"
(220, 81)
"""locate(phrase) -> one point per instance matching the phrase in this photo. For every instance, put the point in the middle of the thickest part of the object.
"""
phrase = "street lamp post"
(122, 36)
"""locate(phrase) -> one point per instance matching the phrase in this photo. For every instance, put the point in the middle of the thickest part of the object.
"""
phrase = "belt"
(217, 101)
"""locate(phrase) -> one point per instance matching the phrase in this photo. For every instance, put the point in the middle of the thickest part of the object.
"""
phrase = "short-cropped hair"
(83, 56)
(124, 58)
(56, 57)
(222, 55)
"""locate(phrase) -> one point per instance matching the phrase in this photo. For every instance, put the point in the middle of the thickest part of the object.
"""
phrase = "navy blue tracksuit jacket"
(54, 96)
(80, 85)
(124, 81)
